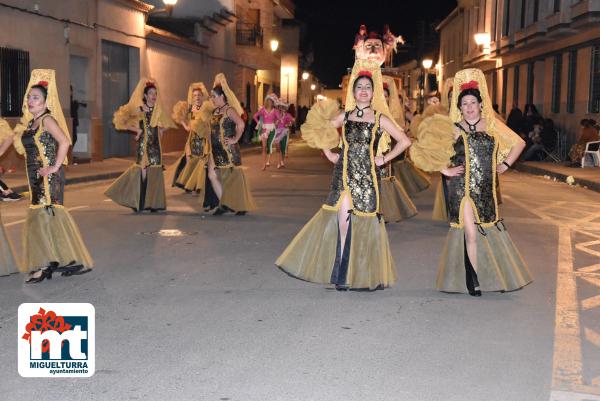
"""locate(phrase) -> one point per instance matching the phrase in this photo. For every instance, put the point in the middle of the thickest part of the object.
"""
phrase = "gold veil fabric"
(395, 106)
(181, 108)
(435, 135)
(5, 130)
(231, 98)
(45, 77)
(199, 86)
(505, 136)
(52, 101)
(472, 76)
(159, 117)
(378, 102)
(448, 86)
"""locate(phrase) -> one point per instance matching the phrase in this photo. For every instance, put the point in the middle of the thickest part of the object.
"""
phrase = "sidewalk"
(113, 167)
(586, 177)
(94, 171)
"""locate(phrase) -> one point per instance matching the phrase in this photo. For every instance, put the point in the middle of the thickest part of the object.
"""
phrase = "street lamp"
(274, 45)
(313, 87)
(483, 41)
(427, 63)
(305, 75)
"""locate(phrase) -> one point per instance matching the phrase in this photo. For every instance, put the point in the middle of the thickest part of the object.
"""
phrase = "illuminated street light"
(305, 75)
(313, 87)
(168, 9)
(483, 41)
(427, 63)
(274, 45)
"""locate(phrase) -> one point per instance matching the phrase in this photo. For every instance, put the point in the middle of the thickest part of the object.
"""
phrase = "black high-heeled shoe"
(471, 278)
(69, 269)
(45, 274)
(222, 210)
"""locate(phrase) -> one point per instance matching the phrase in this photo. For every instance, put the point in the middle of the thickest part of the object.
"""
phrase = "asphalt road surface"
(198, 311)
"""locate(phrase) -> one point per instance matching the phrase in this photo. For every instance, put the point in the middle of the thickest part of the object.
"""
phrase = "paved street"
(207, 316)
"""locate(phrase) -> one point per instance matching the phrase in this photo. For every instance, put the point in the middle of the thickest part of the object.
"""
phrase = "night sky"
(332, 24)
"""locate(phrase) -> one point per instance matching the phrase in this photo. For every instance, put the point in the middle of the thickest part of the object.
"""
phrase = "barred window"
(14, 76)
(556, 78)
(506, 25)
(594, 105)
(530, 82)
(536, 10)
(571, 81)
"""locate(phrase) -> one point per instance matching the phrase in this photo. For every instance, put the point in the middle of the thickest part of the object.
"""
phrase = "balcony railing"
(249, 35)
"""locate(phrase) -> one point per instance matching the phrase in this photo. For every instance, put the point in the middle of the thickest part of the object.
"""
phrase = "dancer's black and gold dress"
(413, 179)
(500, 267)
(228, 162)
(50, 234)
(8, 264)
(190, 171)
(313, 255)
(395, 203)
(131, 189)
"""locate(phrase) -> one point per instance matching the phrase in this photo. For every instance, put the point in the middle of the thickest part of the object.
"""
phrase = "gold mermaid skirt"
(236, 190)
(179, 167)
(196, 179)
(126, 189)
(312, 253)
(8, 264)
(500, 267)
(440, 211)
(394, 202)
(51, 235)
(413, 180)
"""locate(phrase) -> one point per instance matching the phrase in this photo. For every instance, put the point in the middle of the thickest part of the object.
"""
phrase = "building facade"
(540, 52)
(101, 48)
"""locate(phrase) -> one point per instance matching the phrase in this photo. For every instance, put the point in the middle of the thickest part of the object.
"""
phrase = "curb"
(591, 185)
(77, 180)
(107, 176)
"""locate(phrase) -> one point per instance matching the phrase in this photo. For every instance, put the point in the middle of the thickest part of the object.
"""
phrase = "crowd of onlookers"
(589, 133)
(541, 136)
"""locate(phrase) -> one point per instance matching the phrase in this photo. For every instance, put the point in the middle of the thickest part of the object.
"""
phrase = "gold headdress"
(448, 86)
(231, 98)
(371, 69)
(471, 78)
(45, 78)
(130, 113)
(182, 108)
(197, 86)
(395, 106)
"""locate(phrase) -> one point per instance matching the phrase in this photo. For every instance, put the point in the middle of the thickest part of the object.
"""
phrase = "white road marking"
(569, 396)
(568, 364)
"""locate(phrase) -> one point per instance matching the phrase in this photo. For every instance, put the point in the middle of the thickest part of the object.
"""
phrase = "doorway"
(120, 73)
